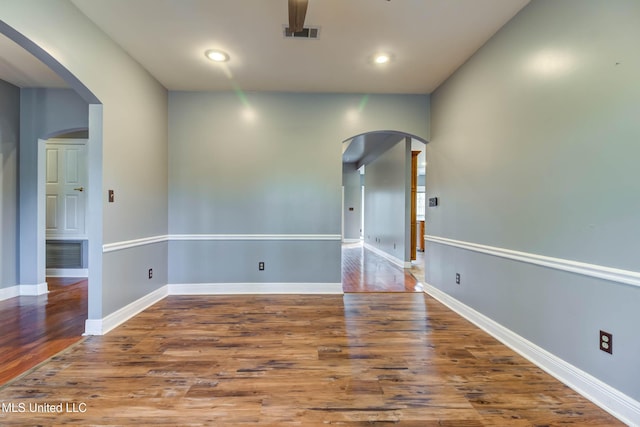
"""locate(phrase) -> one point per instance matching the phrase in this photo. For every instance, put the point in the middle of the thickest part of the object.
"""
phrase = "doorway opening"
(381, 218)
(44, 315)
(65, 205)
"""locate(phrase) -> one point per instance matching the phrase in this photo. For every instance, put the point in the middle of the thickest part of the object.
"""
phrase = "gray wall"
(270, 167)
(386, 214)
(128, 134)
(352, 199)
(44, 113)
(9, 140)
(535, 148)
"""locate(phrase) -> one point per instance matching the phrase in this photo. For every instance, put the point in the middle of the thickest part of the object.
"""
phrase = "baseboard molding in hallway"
(608, 398)
(400, 263)
(364, 270)
(23, 290)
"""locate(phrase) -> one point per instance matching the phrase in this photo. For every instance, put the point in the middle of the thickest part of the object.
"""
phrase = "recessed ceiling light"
(217, 55)
(381, 58)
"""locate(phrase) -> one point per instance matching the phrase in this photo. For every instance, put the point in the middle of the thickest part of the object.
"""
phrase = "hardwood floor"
(35, 328)
(366, 271)
(39, 327)
(357, 359)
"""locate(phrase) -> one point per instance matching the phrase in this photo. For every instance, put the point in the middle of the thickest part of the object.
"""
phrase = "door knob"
(79, 189)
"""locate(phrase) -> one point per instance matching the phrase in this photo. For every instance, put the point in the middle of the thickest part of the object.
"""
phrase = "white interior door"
(66, 187)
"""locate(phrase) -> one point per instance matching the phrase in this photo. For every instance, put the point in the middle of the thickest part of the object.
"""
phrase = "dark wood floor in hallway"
(35, 328)
(286, 360)
(366, 271)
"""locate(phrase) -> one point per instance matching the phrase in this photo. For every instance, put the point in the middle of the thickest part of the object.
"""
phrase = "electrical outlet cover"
(606, 342)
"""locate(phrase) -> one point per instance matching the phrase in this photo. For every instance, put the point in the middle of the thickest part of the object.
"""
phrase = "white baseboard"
(397, 261)
(34, 290)
(608, 398)
(104, 325)
(67, 272)
(254, 288)
(351, 240)
(10, 292)
(24, 290)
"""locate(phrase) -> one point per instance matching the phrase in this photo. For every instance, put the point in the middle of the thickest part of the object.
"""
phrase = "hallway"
(366, 271)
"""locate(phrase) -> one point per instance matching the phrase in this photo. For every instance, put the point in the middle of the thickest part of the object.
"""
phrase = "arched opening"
(72, 112)
(383, 209)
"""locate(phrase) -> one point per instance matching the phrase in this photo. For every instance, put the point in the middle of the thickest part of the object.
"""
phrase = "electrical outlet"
(606, 342)
(151, 273)
(457, 278)
(261, 265)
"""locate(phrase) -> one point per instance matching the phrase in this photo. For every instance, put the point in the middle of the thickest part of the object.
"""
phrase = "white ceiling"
(429, 39)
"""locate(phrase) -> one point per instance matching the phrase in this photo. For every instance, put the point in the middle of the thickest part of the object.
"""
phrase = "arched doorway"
(44, 114)
(31, 205)
(380, 187)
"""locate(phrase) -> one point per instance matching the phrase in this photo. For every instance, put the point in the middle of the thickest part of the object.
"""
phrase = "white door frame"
(58, 272)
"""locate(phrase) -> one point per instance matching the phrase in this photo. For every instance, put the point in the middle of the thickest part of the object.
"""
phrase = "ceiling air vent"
(306, 33)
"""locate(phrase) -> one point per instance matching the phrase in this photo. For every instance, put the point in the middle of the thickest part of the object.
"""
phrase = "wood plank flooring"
(39, 327)
(35, 328)
(366, 271)
(353, 360)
